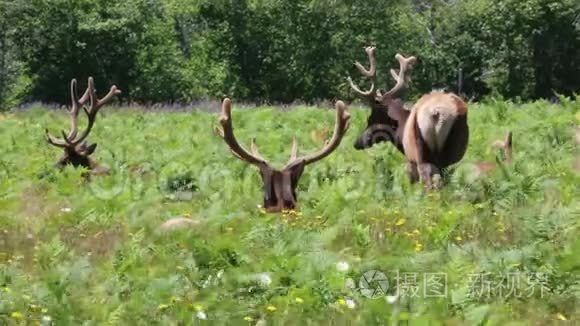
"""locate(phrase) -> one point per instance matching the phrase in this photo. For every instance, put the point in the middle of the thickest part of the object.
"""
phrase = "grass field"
(498, 250)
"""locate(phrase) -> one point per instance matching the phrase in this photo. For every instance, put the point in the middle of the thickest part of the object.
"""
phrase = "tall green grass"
(77, 253)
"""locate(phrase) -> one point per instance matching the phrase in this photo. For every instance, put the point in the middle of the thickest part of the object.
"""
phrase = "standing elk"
(279, 186)
(432, 135)
(76, 149)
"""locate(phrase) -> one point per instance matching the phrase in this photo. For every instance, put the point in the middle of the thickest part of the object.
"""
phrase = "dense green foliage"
(90, 253)
(284, 50)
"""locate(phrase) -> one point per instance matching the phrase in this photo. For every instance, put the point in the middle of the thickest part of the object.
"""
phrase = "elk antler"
(371, 74)
(227, 133)
(401, 78)
(341, 126)
(70, 139)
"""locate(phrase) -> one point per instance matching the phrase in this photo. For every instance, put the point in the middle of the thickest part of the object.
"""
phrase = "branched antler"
(340, 127)
(401, 78)
(227, 133)
(71, 139)
(371, 74)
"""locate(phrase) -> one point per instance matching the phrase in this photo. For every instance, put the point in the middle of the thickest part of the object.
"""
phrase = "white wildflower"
(201, 315)
(342, 266)
(392, 298)
(264, 279)
(66, 210)
(46, 320)
(350, 303)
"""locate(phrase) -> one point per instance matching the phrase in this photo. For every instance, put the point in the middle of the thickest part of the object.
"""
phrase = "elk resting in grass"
(505, 147)
(432, 135)
(279, 186)
(76, 150)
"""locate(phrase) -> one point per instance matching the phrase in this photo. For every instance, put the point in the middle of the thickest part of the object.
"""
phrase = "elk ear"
(90, 149)
(396, 111)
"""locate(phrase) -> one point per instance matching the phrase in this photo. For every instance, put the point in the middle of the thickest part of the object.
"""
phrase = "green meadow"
(364, 247)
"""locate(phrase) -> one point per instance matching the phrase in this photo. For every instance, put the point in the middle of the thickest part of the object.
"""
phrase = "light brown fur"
(424, 108)
(429, 124)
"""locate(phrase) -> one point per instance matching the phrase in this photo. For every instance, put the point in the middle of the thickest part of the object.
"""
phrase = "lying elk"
(279, 186)
(432, 135)
(505, 147)
(76, 149)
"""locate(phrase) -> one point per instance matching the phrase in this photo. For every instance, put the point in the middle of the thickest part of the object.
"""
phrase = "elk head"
(381, 125)
(76, 149)
(279, 186)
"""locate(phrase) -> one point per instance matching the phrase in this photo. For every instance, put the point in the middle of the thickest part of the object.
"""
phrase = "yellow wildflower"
(17, 315)
(418, 246)
(271, 308)
(400, 222)
(341, 302)
(299, 300)
(248, 318)
(561, 317)
(162, 306)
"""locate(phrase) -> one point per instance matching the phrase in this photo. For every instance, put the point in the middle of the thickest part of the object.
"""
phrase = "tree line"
(280, 51)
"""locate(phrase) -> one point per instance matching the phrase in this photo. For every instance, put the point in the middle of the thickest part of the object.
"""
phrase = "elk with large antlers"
(432, 135)
(279, 186)
(76, 149)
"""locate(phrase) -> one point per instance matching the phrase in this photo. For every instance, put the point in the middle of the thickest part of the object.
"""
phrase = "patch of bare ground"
(95, 244)
(34, 205)
(16, 244)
